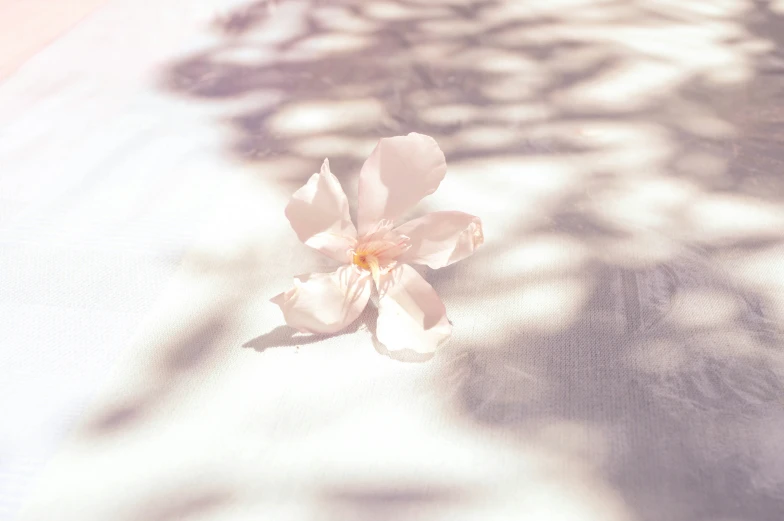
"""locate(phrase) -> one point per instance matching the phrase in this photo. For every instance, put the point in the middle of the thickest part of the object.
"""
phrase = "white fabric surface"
(104, 183)
(617, 349)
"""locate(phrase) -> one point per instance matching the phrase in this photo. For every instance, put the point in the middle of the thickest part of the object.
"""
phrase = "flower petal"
(325, 302)
(439, 239)
(397, 175)
(318, 212)
(410, 314)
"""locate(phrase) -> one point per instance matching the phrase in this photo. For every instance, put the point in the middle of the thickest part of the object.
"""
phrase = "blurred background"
(617, 352)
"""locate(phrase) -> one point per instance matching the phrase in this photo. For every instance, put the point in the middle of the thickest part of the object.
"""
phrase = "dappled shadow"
(178, 504)
(626, 157)
(176, 364)
(680, 375)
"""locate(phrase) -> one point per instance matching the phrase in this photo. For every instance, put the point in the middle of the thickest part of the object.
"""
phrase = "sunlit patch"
(631, 85)
(452, 27)
(704, 308)
(536, 182)
(701, 164)
(519, 114)
(450, 114)
(514, 87)
(762, 272)
(583, 441)
(334, 43)
(288, 23)
(541, 256)
(640, 154)
(551, 306)
(652, 203)
(579, 495)
(731, 345)
(312, 117)
(338, 144)
(342, 19)
(246, 55)
(639, 250)
(660, 356)
(390, 11)
(507, 12)
(485, 137)
(429, 52)
(705, 125)
(717, 219)
(717, 9)
(499, 61)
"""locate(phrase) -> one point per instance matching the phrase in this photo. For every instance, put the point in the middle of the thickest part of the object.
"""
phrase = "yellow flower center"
(361, 260)
(367, 262)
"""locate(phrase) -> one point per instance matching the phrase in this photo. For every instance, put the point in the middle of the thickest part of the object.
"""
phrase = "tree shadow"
(685, 400)
(179, 360)
(658, 163)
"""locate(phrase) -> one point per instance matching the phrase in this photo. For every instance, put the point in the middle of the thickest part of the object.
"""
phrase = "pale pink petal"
(397, 175)
(318, 212)
(325, 302)
(440, 238)
(410, 314)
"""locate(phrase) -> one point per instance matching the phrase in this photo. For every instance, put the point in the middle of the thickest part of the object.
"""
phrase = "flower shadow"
(287, 336)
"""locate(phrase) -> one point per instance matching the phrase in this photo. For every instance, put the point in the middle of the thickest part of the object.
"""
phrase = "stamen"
(374, 270)
(360, 259)
(369, 262)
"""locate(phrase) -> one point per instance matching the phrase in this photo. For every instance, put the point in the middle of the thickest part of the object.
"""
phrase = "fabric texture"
(616, 349)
